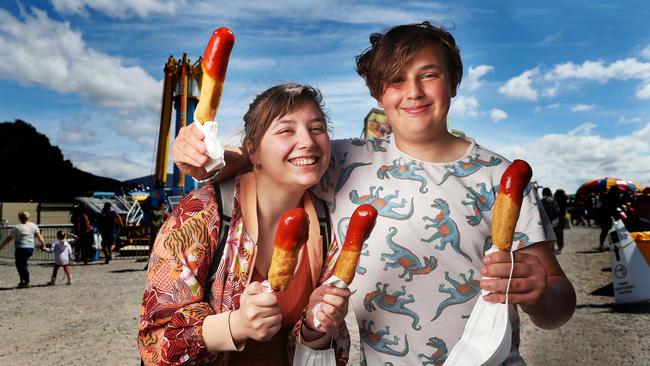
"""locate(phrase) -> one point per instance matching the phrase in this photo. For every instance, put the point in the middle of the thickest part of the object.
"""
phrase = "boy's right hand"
(190, 152)
(258, 316)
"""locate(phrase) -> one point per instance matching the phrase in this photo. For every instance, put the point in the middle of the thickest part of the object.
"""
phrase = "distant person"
(608, 213)
(62, 256)
(579, 210)
(550, 206)
(641, 208)
(24, 234)
(109, 224)
(561, 199)
(84, 231)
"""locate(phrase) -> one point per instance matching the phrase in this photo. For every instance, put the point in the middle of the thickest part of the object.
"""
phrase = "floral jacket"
(174, 306)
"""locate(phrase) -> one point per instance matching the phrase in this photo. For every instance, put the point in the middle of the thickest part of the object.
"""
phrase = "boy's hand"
(528, 278)
(190, 152)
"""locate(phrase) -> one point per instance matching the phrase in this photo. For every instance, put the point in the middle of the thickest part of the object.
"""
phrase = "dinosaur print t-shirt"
(417, 279)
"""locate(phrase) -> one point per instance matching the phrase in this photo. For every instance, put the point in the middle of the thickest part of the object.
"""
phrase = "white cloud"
(139, 130)
(464, 106)
(568, 160)
(643, 92)
(520, 87)
(552, 38)
(335, 11)
(550, 92)
(474, 81)
(498, 115)
(629, 68)
(40, 51)
(76, 132)
(630, 120)
(646, 52)
(582, 107)
(553, 106)
(116, 166)
(119, 8)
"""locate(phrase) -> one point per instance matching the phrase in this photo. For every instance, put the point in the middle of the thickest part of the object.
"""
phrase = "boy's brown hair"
(389, 52)
(61, 234)
(276, 102)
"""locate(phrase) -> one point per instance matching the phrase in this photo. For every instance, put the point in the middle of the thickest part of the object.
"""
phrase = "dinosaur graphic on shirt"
(465, 168)
(459, 292)
(374, 142)
(342, 228)
(376, 340)
(446, 228)
(383, 205)
(392, 303)
(404, 171)
(405, 259)
(480, 202)
(439, 357)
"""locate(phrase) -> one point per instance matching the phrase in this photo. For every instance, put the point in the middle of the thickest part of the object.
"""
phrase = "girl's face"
(417, 102)
(295, 149)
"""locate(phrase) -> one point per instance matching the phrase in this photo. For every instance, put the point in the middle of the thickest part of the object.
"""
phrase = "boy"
(418, 276)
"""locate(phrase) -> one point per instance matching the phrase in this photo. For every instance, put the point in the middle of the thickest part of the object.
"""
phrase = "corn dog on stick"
(290, 236)
(214, 65)
(508, 203)
(361, 224)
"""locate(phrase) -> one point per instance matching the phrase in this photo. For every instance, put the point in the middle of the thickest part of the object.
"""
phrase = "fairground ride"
(181, 87)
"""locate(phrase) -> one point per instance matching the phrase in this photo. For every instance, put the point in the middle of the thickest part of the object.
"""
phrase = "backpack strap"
(224, 193)
(323, 223)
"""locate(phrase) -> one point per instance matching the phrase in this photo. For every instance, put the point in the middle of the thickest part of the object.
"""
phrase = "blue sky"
(564, 85)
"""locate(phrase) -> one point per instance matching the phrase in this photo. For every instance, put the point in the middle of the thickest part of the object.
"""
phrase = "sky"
(564, 85)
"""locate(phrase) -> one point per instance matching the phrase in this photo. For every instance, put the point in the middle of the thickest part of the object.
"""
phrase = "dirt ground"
(94, 321)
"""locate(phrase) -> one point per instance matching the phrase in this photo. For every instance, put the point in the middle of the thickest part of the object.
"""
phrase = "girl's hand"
(528, 279)
(258, 316)
(333, 309)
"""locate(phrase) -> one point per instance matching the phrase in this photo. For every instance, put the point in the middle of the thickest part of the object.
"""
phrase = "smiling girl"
(286, 137)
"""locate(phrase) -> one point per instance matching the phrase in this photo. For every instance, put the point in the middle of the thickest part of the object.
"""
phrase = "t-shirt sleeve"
(325, 189)
(533, 225)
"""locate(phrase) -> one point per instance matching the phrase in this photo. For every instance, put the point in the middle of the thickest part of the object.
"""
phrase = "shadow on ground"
(608, 291)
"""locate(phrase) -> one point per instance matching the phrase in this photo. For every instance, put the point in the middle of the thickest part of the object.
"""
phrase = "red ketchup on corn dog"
(291, 234)
(508, 203)
(361, 224)
(214, 65)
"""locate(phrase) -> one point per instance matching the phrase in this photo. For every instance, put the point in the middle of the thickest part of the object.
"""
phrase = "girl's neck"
(273, 200)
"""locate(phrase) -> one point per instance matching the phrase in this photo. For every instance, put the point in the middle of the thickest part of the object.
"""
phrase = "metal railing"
(129, 246)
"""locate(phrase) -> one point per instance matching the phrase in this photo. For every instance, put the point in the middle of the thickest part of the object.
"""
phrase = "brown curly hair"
(389, 52)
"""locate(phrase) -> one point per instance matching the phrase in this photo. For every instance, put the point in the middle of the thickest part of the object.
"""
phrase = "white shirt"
(417, 279)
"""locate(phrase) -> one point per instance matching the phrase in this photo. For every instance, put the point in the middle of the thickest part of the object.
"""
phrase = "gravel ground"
(94, 321)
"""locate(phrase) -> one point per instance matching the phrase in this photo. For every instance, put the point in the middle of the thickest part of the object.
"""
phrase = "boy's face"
(417, 102)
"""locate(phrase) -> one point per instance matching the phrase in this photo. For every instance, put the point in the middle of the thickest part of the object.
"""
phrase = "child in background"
(62, 254)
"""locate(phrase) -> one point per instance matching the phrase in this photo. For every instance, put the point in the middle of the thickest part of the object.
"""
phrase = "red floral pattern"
(173, 306)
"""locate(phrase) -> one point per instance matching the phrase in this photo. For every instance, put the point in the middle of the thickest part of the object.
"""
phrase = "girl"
(62, 256)
(287, 139)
